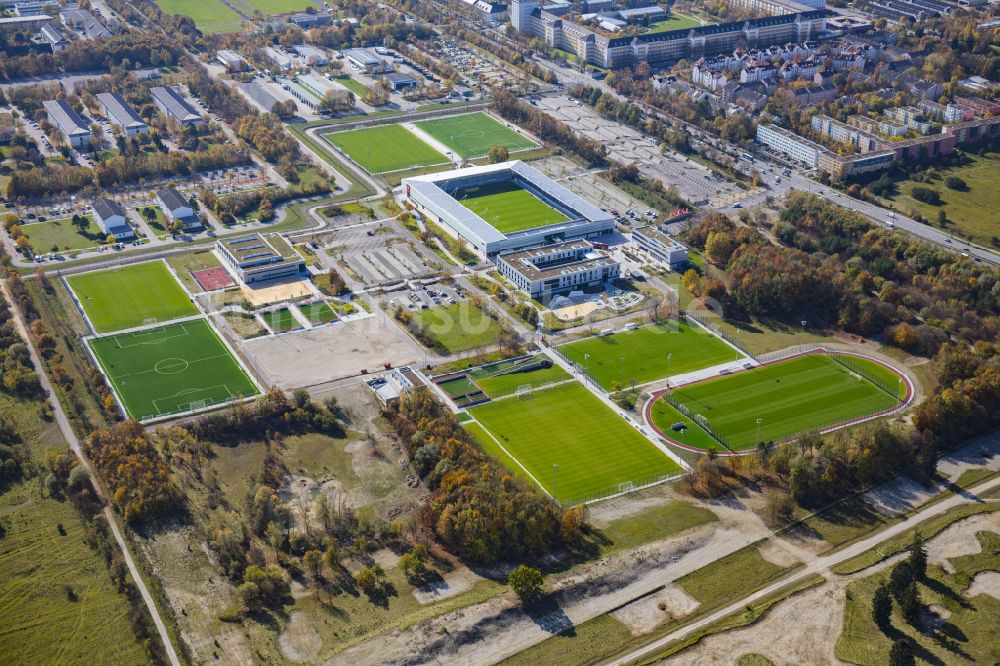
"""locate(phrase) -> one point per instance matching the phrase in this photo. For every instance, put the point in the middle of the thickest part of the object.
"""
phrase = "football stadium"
(505, 207)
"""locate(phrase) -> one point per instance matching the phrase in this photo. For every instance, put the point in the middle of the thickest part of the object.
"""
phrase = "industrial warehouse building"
(173, 105)
(69, 122)
(120, 113)
(435, 196)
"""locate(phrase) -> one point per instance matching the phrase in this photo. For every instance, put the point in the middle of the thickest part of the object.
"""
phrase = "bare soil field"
(308, 358)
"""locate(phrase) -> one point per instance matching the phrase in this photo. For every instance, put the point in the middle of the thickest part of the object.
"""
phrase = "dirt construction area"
(804, 628)
(345, 349)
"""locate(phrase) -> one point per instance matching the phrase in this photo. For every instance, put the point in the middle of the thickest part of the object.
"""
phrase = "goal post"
(524, 391)
(196, 405)
(626, 486)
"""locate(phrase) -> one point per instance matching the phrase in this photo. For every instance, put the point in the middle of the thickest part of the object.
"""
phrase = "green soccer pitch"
(789, 397)
(641, 355)
(473, 134)
(119, 298)
(566, 425)
(171, 369)
(509, 207)
(386, 148)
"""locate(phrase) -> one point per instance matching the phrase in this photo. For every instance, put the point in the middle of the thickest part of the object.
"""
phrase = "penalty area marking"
(187, 392)
(151, 331)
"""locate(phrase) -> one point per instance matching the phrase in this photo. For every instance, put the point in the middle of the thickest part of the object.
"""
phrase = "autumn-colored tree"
(527, 583)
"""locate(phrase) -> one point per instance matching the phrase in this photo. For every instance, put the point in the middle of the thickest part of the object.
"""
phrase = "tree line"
(476, 507)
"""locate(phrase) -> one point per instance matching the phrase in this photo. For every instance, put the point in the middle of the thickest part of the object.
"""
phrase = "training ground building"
(253, 259)
(433, 195)
(177, 209)
(661, 247)
(111, 218)
(557, 269)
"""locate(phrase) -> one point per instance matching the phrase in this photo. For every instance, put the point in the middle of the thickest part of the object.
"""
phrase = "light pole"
(622, 360)
(555, 481)
(669, 356)
(759, 421)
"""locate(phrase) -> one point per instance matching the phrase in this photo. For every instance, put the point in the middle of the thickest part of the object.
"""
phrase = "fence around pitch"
(703, 422)
(620, 489)
(705, 322)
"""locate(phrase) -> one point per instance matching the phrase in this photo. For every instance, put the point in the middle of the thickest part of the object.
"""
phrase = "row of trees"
(832, 267)
(137, 477)
(477, 508)
(548, 128)
(126, 50)
(263, 200)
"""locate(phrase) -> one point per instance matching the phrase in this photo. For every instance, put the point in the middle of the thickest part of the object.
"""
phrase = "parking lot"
(694, 182)
(426, 297)
(378, 254)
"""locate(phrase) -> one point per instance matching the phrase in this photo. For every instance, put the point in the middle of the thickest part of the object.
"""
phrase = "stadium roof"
(432, 187)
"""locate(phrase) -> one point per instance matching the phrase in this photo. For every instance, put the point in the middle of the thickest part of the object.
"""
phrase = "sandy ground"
(307, 358)
(275, 292)
(571, 312)
(459, 580)
(602, 513)
(299, 642)
(899, 496)
(986, 582)
(498, 628)
(804, 628)
(775, 553)
(643, 615)
(960, 539)
(198, 593)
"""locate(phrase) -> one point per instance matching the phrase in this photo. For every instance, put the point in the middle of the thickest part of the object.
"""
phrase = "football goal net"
(626, 486)
(524, 391)
(196, 405)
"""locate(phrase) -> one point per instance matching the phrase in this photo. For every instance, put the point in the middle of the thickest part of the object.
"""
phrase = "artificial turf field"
(645, 351)
(280, 320)
(567, 425)
(120, 298)
(386, 148)
(790, 397)
(473, 134)
(165, 370)
(509, 207)
(317, 313)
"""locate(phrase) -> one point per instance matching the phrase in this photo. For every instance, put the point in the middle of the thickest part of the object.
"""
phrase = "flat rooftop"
(524, 260)
(253, 249)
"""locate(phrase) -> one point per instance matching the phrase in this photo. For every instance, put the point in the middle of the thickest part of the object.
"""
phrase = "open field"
(674, 22)
(788, 398)
(641, 355)
(508, 207)
(385, 148)
(458, 327)
(351, 84)
(271, 7)
(121, 298)
(280, 320)
(473, 134)
(568, 426)
(62, 235)
(969, 621)
(185, 264)
(974, 211)
(42, 553)
(171, 368)
(318, 313)
(209, 16)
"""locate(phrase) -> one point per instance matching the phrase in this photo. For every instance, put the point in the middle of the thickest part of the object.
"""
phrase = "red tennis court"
(211, 279)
